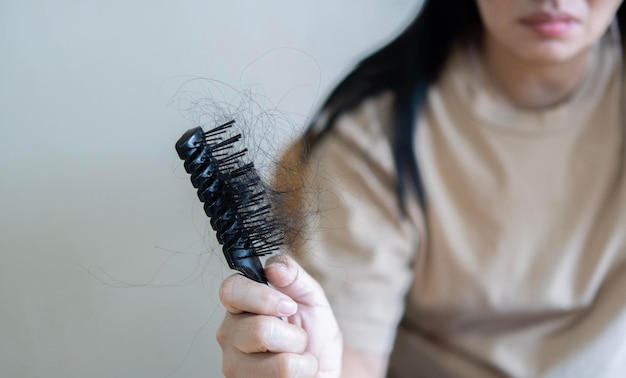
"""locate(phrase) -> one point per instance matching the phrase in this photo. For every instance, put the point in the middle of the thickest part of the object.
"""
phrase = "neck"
(532, 85)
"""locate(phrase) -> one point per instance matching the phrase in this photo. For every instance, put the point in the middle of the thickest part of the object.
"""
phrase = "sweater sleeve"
(353, 238)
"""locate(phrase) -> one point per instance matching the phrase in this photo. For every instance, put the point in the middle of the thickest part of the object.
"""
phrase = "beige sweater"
(517, 265)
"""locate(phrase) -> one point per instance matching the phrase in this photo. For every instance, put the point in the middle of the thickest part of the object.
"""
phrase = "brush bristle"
(235, 198)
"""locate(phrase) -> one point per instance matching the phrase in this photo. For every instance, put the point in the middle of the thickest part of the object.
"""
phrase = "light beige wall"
(106, 267)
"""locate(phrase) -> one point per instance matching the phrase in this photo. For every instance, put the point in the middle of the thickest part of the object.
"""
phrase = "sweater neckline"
(469, 82)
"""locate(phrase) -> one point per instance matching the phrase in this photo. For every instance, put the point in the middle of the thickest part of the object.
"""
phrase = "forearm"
(356, 364)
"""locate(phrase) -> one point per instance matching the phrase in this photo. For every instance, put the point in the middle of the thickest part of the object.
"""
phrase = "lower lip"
(550, 29)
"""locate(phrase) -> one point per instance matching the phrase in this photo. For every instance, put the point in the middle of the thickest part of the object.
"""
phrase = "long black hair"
(408, 66)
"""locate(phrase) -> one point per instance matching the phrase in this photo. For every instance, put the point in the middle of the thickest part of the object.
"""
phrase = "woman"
(488, 240)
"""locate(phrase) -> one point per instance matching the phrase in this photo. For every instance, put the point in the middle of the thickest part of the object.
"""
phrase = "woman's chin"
(549, 52)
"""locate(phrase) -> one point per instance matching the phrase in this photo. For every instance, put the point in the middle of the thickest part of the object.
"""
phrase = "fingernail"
(276, 263)
(287, 307)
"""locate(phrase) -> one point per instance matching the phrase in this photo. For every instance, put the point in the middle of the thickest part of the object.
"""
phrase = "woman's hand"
(256, 343)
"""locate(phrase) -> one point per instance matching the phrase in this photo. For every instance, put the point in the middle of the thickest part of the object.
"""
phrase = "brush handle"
(247, 264)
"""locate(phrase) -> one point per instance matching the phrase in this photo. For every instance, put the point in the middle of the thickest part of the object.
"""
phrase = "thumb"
(288, 277)
(314, 313)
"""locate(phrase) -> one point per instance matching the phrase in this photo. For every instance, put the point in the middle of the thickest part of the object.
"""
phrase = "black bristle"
(235, 198)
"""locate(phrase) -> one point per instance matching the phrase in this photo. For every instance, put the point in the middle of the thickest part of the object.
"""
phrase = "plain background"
(106, 265)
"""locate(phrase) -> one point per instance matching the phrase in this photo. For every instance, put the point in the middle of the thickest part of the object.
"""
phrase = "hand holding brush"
(255, 341)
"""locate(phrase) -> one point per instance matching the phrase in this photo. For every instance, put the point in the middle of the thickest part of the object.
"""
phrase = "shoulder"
(371, 118)
(361, 135)
(366, 129)
(354, 154)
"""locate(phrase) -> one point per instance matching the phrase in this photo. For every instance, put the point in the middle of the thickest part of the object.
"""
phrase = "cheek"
(601, 14)
(497, 23)
(497, 15)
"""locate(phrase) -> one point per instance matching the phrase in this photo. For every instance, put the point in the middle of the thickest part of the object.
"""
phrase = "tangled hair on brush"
(242, 124)
(407, 66)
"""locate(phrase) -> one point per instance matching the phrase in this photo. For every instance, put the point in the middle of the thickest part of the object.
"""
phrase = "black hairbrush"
(235, 198)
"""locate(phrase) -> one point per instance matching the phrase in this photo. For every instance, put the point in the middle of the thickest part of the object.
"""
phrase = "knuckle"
(221, 336)
(297, 365)
(267, 298)
(228, 369)
(226, 291)
(260, 332)
(287, 366)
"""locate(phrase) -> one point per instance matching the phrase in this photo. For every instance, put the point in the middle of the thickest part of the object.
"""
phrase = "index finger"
(239, 294)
